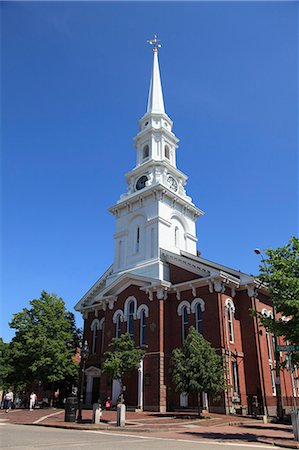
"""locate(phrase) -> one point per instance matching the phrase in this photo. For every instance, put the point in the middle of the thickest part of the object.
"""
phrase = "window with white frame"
(236, 384)
(145, 152)
(198, 317)
(185, 323)
(117, 326)
(230, 309)
(176, 237)
(270, 348)
(102, 328)
(95, 326)
(131, 311)
(167, 152)
(142, 328)
(137, 239)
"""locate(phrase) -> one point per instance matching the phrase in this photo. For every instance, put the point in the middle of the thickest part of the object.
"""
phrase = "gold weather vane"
(155, 42)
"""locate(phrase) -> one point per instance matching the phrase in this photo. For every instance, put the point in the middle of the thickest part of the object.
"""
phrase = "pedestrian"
(108, 403)
(8, 399)
(32, 402)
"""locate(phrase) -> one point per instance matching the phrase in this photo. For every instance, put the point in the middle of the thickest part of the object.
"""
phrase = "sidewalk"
(167, 425)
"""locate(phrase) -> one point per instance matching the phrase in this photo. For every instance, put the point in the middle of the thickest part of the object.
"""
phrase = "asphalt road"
(22, 437)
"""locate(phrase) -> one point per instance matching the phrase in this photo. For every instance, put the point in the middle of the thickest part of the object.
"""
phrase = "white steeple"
(155, 102)
(155, 212)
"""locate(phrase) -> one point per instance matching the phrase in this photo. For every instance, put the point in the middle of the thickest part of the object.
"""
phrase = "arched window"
(176, 236)
(131, 311)
(117, 326)
(184, 323)
(198, 318)
(230, 308)
(145, 152)
(142, 327)
(95, 326)
(167, 153)
(118, 317)
(102, 328)
(137, 239)
(271, 358)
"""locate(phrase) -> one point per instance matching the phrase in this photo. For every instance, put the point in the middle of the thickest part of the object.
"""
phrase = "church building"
(159, 285)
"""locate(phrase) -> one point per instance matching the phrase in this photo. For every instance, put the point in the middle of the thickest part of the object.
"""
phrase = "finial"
(155, 42)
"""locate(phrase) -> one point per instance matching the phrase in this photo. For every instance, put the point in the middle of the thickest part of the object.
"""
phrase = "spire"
(155, 102)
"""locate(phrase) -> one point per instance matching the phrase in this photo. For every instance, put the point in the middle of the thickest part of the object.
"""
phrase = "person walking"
(32, 401)
(8, 399)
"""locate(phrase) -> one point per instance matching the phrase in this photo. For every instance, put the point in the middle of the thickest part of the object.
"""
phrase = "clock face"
(140, 184)
(172, 183)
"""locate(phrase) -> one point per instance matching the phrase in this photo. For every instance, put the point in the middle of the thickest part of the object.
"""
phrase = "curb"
(280, 444)
(126, 429)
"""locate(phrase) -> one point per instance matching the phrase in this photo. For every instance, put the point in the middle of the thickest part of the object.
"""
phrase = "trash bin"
(295, 423)
(71, 406)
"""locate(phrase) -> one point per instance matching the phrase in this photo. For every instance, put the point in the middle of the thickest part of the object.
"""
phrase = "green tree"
(122, 358)
(196, 368)
(44, 343)
(279, 270)
(5, 364)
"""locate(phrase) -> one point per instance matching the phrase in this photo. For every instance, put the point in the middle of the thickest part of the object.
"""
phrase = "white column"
(140, 385)
(89, 385)
(205, 403)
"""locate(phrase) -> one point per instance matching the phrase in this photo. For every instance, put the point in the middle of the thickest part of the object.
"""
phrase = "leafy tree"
(196, 368)
(122, 358)
(280, 272)
(5, 364)
(44, 343)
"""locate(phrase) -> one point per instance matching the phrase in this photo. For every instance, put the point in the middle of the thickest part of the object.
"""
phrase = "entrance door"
(95, 389)
(116, 390)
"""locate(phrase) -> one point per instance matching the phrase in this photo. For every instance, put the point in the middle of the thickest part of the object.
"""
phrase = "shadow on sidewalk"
(268, 427)
(248, 437)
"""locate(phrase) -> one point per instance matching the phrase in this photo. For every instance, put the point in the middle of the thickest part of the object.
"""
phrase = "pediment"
(123, 282)
(93, 371)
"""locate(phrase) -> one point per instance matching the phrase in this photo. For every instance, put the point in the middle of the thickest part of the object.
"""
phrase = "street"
(23, 437)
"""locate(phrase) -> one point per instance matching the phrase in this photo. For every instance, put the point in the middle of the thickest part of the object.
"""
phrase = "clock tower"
(155, 212)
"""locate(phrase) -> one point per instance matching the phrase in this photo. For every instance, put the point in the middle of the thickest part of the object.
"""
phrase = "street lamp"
(279, 410)
(84, 352)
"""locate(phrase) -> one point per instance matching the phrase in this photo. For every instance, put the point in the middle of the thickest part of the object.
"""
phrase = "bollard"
(121, 415)
(97, 413)
(265, 419)
(295, 423)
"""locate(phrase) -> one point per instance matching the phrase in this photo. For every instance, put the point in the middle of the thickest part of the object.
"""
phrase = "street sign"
(288, 348)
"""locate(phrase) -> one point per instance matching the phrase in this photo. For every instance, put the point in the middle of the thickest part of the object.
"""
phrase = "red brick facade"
(246, 353)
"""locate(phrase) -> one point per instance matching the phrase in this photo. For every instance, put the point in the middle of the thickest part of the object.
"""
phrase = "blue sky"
(75, 78)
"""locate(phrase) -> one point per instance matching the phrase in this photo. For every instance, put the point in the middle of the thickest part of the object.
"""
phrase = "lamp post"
(279, 410)
(84, 352)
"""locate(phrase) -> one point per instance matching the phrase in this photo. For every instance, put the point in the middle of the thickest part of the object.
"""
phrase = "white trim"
(120, 313)
(229, 304)
(267, 313)
(95, 323)
(140, 309)
(127, 302)
(195, 303)
(181, 306)
(102, 322)
(230, 309)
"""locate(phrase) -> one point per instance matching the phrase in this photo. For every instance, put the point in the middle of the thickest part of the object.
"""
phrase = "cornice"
(162, 191)
(138, 170)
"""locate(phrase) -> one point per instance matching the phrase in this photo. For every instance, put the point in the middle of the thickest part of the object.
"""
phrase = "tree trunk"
(198, 403)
